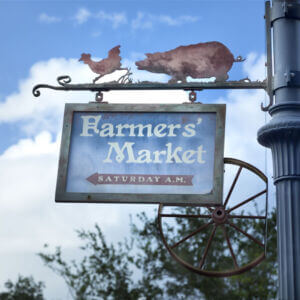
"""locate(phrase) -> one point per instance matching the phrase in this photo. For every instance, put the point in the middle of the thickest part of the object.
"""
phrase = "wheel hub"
(219, 215)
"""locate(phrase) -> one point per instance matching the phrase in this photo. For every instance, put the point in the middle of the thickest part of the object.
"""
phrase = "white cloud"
(41, 145)
(96, 34)
(45, 18)
(177, 21)
(46, 111)
(82, 16)
(148, 21)
(254, 66)
(141, 21)
(29, 218)
(115, 18)
(244, 117)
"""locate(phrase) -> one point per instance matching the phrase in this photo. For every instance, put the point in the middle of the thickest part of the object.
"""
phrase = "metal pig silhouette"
(202, 60)
(105, 66)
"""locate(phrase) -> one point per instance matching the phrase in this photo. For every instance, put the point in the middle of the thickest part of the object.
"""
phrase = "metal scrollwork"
(126, 83)
(35, 90)
(186, 58)
(125, 78)
(63, 80)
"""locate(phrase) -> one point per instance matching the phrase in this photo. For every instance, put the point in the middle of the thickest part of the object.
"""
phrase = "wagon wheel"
(232, 234)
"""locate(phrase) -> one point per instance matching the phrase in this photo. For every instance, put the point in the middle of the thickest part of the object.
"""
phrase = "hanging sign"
(171, 154)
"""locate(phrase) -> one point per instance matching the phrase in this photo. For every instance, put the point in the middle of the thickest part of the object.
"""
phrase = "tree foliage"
(145, 270)
(25, 288)
(178, 283)
(103, 272)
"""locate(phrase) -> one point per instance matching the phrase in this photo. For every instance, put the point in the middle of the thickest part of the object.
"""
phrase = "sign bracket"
(64, 84)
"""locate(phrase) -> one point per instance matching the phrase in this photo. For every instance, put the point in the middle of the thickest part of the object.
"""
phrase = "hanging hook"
(192, 96)
(99, 97)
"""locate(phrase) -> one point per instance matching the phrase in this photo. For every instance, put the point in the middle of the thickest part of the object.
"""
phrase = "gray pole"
(282, 135)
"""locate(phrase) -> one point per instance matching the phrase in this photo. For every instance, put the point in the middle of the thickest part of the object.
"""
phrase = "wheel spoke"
(207, 247)
(210, 209)
(230, 247)
(246, 234)
(184, 216)
(191, 234)
(233, 185)
(246, 201)
(246, 217)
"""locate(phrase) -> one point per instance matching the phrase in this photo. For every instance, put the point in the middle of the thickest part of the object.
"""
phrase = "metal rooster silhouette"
(105, 66)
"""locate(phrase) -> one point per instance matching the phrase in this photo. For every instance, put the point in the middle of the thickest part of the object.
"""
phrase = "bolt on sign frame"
(125, 153)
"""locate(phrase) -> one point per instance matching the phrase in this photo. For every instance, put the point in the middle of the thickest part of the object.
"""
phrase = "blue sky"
(38, 30)
(35, 31)
(44, 39)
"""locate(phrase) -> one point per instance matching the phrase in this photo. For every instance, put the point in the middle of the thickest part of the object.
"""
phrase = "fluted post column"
(282, 135)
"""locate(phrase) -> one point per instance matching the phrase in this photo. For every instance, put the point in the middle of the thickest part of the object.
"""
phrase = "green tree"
(110, 272)
(25, 288)
(103, 272)
(178, 283)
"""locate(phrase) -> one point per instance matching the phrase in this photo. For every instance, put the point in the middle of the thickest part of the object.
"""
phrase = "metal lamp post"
(282, 135)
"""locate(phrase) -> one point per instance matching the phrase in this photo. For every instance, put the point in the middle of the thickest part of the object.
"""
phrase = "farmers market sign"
(142, 154)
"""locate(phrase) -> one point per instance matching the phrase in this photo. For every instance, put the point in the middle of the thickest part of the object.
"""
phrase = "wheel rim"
(220, 218)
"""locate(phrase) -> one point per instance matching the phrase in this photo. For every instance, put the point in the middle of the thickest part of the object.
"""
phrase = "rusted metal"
(105, 66)
(184, 216)
(219, 216)
(233, 185)
(191, 234)
(247, 200)
(246, 217)
(230, 247)
(201, 263)
(202, 60)
(246, 234)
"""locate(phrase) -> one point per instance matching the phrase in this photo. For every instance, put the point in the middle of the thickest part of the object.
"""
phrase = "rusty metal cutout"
(202, 60)
(105, 66)
(199, 61)
(219, 217)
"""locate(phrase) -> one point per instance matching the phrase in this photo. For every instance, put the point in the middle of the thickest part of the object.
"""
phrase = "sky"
(44, 39)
